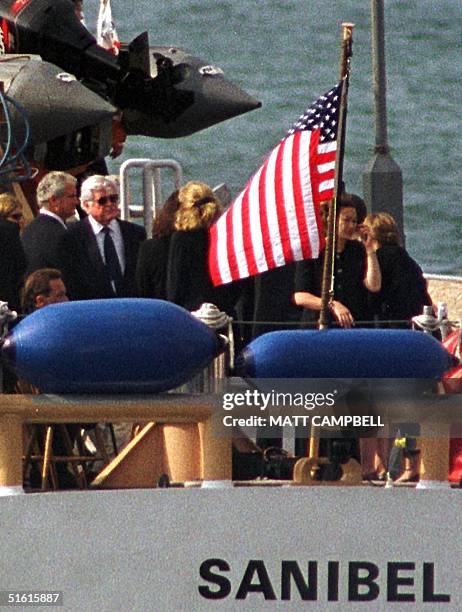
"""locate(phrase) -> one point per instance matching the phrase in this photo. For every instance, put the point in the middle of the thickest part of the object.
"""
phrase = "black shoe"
(374, 476)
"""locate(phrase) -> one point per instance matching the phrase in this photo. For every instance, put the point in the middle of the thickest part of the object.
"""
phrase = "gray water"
(286, 53)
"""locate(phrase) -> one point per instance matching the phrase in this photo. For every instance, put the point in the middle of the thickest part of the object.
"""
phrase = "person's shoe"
(375, 476)
(407, 476)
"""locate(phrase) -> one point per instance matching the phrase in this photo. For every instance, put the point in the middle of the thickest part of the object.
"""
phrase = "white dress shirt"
(45, 211)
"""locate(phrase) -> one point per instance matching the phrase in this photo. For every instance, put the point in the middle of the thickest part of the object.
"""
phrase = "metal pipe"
(151, 173)
(382, 177)
(379, 76)
(149, 202)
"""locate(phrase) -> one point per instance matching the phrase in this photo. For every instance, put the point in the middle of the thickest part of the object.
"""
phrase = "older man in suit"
(57, 199)
(99, 253)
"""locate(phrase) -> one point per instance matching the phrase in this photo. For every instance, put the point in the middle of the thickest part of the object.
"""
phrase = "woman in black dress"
(402, 296)
(12, 258)
(151, 269)
(356, 270)
(188, 280)
(356, 273)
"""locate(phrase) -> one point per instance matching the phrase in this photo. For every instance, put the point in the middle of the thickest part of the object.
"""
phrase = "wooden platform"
(213, 450)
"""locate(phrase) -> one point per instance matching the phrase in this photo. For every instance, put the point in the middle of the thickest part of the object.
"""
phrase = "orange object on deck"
(452, 383)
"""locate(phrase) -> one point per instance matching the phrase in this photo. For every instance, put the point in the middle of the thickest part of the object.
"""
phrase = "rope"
(216, 320)
(456, 324)
(6, 317)
(314, 324)
(211, 316)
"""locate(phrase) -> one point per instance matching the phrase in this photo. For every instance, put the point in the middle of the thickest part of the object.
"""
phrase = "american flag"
(106, 34)
(276, 218)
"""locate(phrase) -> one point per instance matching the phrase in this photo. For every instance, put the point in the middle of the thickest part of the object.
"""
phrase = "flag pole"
(327, 290)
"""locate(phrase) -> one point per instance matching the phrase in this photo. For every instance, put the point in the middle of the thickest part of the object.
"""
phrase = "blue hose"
(12, 163)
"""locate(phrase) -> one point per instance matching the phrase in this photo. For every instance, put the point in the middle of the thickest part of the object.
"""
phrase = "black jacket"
(40, 239)
(404, 288)
(12, 263)
(84, 273)
(151, 271)
(188, 279)
(349, 271)
(273, 299)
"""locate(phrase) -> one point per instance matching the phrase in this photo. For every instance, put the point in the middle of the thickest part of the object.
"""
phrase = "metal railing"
(443, 277)
(152, 186)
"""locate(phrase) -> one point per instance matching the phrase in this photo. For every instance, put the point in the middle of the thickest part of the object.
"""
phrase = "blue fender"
(338, 353)
(109, 346)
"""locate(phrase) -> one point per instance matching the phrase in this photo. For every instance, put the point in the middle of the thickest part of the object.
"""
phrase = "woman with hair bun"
(199, 207)
(188, 280)
(356, 270)
(356, 276)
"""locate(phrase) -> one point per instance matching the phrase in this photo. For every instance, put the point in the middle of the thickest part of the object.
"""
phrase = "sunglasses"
(114, 198)
(16, 216)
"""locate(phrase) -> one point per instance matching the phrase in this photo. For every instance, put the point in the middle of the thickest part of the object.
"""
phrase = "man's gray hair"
(92, 183)
(53, 184)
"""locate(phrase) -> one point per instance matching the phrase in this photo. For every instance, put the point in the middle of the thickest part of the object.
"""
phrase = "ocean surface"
(286, 54)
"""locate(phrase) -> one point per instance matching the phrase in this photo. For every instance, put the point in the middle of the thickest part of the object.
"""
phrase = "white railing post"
(152, 187)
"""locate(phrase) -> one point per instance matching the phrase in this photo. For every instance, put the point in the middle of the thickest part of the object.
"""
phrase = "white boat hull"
(146, 549)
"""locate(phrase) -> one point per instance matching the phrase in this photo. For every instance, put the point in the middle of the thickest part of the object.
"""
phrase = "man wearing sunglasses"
(99, 253)
(57, 198)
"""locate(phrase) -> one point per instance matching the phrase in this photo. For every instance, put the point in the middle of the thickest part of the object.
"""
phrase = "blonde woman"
(12, 258)
(11, 209)
(403, 293)
(188, 280)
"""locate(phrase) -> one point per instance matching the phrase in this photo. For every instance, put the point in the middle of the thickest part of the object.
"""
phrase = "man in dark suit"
(98, 254)
(41, 288)
(57, 199)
